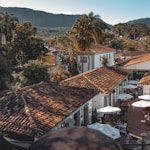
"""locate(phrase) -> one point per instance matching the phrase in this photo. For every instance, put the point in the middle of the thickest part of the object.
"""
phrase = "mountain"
(50, 20)
(145, 21)
(41, 18)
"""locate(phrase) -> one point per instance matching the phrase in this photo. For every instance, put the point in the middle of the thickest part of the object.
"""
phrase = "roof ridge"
(79, 75)
(27, 112)
(137, 59)
(33, 85)
(93, 83)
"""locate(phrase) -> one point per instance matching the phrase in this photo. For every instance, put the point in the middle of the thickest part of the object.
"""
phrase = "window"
(84, 59)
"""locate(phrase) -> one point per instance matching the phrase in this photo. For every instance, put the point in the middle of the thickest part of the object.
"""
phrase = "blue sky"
(111, 11)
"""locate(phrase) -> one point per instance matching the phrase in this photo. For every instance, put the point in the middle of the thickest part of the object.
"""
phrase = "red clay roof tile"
(36, 109)
(137, 59)
(145, 80)
(97, 48)
(101, 79)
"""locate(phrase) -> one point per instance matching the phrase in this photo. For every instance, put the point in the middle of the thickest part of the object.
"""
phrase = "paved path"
(134, 116)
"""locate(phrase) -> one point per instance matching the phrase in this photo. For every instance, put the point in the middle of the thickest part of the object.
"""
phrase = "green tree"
(121, 29)
(33, 72)
(7, 26)
(132, 31)
(131, 45)
(5, 70)
(67, 53)
(86, 30)
(26, 46)
(59, 73)
(105, 61)
(117, 43)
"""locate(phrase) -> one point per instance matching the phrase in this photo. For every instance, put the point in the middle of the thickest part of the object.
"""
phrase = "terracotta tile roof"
(133, 53)
(101, 79)
(145, 80)
(97, 48)
(36, 109)
(137, 59)
(117, 55)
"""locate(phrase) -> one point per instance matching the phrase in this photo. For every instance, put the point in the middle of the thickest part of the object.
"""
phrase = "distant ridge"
(41, 18)
(50, 20)
(145, 21)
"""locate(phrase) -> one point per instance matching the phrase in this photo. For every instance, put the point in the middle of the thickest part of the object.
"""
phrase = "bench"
(135, 136)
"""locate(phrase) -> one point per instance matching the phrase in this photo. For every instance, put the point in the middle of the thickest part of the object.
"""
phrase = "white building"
(138, 63)
(94, 57)
(145, 83)
(108, 81)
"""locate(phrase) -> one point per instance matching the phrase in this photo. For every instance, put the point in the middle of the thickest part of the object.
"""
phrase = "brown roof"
(117, 55)
(133, 53)
(127, 53)
(36, 109)
(145, 80)
(101, 79)
(97, 48)
(138, 59)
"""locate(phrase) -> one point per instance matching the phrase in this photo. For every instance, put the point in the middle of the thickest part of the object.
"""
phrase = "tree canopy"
(26, 46)
(86, 30)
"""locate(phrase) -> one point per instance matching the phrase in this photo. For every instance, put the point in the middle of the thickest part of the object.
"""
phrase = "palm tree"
(86, 30)
(7, 25)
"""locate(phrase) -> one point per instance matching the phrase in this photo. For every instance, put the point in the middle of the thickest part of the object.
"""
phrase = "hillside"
(50, 24)
(50, 20)
(41, 18)
(145, 21)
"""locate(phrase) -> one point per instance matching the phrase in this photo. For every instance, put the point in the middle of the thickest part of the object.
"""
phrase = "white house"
(145, 83)
(138, 63)
(94, 57)
(108, 81)
(39, 108)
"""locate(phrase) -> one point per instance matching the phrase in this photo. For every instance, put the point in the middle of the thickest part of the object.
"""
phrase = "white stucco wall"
(80, 110)
(86, 65)
(146, 89)
(95, 61)
(97, 102)
(102, 100)
(140, 66)
(98, 58)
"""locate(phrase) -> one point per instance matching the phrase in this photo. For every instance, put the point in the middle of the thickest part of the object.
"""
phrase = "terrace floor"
(136, 126)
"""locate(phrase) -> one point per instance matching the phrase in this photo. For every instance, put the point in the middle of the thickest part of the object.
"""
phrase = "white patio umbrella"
(109, 110)
(144, 97)
(141, 103)
(106, 129)
(130, 86)
(134, 82)
(124, 96)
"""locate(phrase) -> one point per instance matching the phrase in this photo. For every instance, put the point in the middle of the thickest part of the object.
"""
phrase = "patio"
(136, 126)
